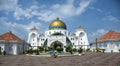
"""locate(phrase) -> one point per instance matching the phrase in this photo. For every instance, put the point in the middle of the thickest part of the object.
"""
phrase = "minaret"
(82, 40)
(33, 37)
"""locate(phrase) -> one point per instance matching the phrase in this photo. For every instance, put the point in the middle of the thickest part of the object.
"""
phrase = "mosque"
(58, 35)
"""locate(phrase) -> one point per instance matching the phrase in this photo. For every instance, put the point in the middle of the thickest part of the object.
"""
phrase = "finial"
(111, 29)
(80, 27)
(57, 18)
(10, 31)
(34, 28)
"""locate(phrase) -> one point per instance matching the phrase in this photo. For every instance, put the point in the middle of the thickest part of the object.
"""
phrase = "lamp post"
(96, 43)
(96, 50)
(23, 44)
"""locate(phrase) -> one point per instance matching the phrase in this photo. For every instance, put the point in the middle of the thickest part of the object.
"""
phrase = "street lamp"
(96, 43)
(23, 44)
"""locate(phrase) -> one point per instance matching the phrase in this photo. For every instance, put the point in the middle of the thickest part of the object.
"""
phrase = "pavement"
(89, 59)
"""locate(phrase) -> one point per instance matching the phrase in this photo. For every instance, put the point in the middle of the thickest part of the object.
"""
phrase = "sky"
(96, 16)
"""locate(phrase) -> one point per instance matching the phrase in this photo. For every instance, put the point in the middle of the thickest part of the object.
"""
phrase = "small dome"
(80, 28)
(34, 28)
(57, 24)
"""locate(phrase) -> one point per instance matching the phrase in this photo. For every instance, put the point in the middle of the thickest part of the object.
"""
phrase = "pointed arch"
(81, 34)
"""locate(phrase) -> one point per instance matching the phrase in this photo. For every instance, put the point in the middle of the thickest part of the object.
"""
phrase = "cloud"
(65, 10)
(12, 6)
(8, 5)
(47, 16)
(97, 9)
(20, 30)
(111, 18)
(83, 5)
(19, 13)
(96, 34)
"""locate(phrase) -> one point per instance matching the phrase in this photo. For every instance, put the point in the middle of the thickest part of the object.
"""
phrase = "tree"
(0, 51)
(29, 51)
(40, 48)
(59, 49)
(24, 52)
(97, 49)
(74, 50)
(36, 51)
(69, 49)
(46, 49)
(50, 48)
(4, 53)
(88, 49)
(103, 50)
(80, 50)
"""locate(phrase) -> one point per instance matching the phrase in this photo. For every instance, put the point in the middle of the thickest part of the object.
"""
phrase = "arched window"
(81, 34)
(33, 35)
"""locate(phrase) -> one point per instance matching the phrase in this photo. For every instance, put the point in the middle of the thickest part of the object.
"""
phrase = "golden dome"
(57, 24)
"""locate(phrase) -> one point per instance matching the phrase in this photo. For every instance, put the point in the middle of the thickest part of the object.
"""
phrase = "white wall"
(82, 39)
(108, 46)
(33, 38)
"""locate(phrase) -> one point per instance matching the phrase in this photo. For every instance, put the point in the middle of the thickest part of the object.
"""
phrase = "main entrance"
(57, 44)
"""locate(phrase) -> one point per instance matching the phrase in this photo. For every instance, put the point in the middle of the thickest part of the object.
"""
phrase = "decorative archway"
(57, 44)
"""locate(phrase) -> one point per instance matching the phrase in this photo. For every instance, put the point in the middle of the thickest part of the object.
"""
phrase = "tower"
(33, 37)
(82, 40)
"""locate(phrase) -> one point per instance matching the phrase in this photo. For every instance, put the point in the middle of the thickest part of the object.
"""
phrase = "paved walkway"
(89, 59)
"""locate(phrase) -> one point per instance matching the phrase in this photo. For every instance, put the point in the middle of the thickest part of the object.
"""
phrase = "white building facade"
(58, 34)
(10, 44)
(110, 42)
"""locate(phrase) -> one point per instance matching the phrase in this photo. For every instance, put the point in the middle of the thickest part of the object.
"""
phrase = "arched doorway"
(56, 44)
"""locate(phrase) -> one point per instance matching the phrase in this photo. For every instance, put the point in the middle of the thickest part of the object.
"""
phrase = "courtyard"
(89, 59)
